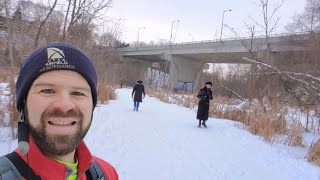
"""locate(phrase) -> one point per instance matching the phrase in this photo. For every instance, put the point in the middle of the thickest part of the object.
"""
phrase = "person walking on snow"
(138, 90)
(56, 94)
(204, 95)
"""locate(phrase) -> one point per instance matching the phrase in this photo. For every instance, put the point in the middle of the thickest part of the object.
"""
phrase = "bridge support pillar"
(183, 69)
(284, 61)
(296, 61)
(135, 69)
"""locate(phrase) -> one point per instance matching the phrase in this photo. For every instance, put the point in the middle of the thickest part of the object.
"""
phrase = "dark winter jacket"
(137, 92)
(204, 95)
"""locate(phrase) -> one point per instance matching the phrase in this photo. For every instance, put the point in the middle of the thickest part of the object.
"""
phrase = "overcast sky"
(199, 18)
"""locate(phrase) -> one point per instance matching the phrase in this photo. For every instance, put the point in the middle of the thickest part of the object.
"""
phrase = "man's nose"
(64, 103)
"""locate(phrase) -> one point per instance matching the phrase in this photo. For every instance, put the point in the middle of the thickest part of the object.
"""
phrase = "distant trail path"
(162, 142)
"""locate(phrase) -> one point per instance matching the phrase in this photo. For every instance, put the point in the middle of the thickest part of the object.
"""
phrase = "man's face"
(59, 111)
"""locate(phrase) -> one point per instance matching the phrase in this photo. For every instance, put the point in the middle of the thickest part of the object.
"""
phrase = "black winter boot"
(204, 124)
(199, 126)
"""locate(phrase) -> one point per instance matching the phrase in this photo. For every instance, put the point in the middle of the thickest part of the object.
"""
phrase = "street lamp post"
(191, 37)
(139, 34)
(172, 28)
(312, 17)
(166, 66)
(222, 22)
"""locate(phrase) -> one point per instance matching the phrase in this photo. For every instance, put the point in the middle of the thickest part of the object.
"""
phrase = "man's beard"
(58, 144)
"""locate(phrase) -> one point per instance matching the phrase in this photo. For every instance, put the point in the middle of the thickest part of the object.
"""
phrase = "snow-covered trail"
(162, 142)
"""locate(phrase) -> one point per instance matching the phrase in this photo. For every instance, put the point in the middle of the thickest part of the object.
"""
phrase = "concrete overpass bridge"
(187, 59)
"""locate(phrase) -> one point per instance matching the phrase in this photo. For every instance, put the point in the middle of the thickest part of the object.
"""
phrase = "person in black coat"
(137, 92)
(204, 95)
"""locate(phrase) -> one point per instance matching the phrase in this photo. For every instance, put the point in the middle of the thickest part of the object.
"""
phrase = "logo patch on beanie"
(56, 60)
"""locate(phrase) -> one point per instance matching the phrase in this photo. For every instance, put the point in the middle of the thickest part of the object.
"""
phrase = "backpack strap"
(7, 170)
(95, 172)
(15, 166)
(23, 168)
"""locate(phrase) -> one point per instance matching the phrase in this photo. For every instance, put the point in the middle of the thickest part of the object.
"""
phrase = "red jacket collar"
(51, 169)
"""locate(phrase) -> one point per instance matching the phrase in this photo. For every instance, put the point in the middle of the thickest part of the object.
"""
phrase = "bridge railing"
(135, 47)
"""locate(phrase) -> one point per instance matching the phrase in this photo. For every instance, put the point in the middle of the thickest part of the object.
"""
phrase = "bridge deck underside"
(217, 57)
(199, 57)
(150, 58)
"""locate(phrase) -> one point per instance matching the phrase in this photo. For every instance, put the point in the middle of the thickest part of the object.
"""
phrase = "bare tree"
(112, 34)
(87, 10)
(36, 41)
(11, 27)
(269, 23)
(308, 20)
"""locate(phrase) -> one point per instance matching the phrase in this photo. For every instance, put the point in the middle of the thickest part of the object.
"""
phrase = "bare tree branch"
(230, 90)
(43, 23)
(274, 25)
(275, 10)
(258, 24)
(282, 73)
(85, 12)
(65, 21)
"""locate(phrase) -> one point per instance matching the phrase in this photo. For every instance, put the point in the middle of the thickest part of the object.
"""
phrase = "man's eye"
(77, 93)
(47, 91)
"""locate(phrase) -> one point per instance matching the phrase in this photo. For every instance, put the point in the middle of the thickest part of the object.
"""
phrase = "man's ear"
(25, 112)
